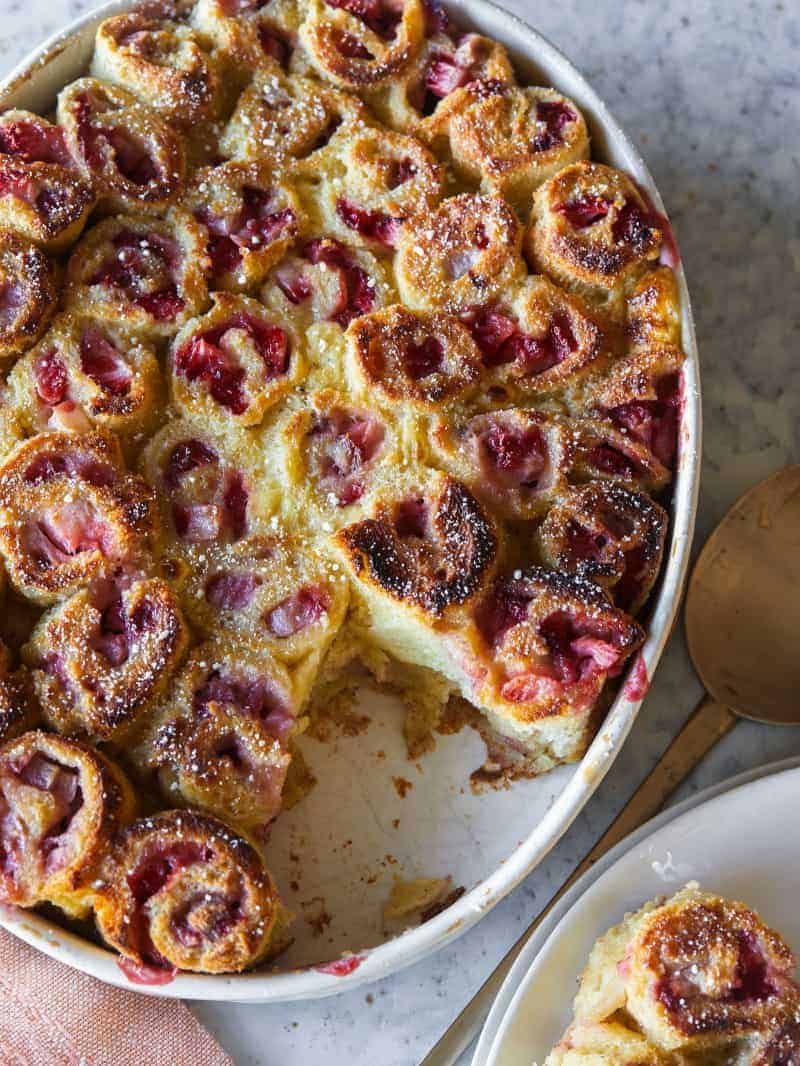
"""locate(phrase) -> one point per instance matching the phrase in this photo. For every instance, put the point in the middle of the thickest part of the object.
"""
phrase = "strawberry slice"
(101, 361)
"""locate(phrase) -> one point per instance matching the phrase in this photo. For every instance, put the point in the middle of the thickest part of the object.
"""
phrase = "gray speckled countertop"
(710, 91)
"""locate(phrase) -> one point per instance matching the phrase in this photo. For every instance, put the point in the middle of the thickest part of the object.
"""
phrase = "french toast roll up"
(234, 362)
(537, 340)
(131, 157)
(603, 451)
(145, 275)
(514, 459)
(419, 359)
(693, 973)
(183, 891)
(61, 803)
(28, 294)
(609, 534)
(361, 46)
(464, 253)
(99, 660)
(366, 185)
(70, 513)
(281, 117)
(86, 372)
(163, 62)
(544, 644)
(508, 139)
(593, 232)
(251, 221)
(248, 34)
(204, 482)
(42, 195)
(326, 280)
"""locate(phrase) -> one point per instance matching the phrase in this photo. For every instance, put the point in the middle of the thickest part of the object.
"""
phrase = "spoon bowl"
(743, 604)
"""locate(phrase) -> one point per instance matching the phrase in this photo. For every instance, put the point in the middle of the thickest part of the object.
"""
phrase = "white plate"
(739, 839)
(354, 831)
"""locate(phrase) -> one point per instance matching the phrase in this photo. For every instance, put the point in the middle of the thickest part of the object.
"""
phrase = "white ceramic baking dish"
(355, 830)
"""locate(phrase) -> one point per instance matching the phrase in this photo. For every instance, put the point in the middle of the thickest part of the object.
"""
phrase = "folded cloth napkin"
(52, 1015)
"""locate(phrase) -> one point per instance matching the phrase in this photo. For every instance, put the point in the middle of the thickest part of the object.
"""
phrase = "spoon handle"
(710, 722)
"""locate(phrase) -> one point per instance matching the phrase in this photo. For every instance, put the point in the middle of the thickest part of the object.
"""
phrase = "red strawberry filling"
(255, 697)
(118, 630)
(143, 268)
(501, 341)
(71, 464)
(355, 293)
(12, 298)
(67, 531)
(750, 981)
(207, 357)
(505, 607)
(580, 647)
(66, 799)
(348, 442)
(422, 360)
(222, 504)
(101, 361)
(232, 591)
(275, 46)
(555, 116)
(654, 422)
(632, 226)
(585, 211)
(350, 46)
(255, 226)
(297, 612)
(412, 518)
(34, 142)
(374, 225)
(381, 17)
(512, 454)
(611, 460)
(101, 145)
(50, 376)
(206, 917)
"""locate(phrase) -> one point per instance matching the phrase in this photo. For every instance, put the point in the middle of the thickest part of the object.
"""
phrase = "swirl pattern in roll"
(184, 891)
(508, 138)
(41, 194)
(162, 61)
(605, 452)
(234, 362)
(465, 253)
(699, 977)
(28, 294)
(133, 159)
(202, 481)
(146, 275)
(250, 220)
(546, 643)
(417, 358)
(100, 659)
(83, 373)
(69, 513)
(609, 534)
(61, 803)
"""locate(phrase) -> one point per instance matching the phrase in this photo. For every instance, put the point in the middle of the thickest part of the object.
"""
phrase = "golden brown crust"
(62, 802)
(515, 460)
(508, 138)
(86, 372)
(42, 196)
(592, 231)
(464, 254)
(146, 275)
(133, 159)
(412, 357)
(102, 658)
(547, 642)
(250, 221)
(610, 535)
(234, 363)
(430, 550)
(653, 311)
(163, 62)
(18, 709)
(360, 52)
(69, 512)
(183, 891)
(28, 283)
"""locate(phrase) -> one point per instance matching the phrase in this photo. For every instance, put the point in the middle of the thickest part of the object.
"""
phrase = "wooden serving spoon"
(742, 621)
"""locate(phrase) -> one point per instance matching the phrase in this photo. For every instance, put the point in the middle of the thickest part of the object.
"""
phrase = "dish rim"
(514, 989)
(415, 944)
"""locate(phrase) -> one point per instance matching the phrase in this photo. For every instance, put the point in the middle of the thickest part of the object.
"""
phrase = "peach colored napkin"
(52, 1015)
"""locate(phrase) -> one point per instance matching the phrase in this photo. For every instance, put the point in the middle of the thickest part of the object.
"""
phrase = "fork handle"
(710, 722)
